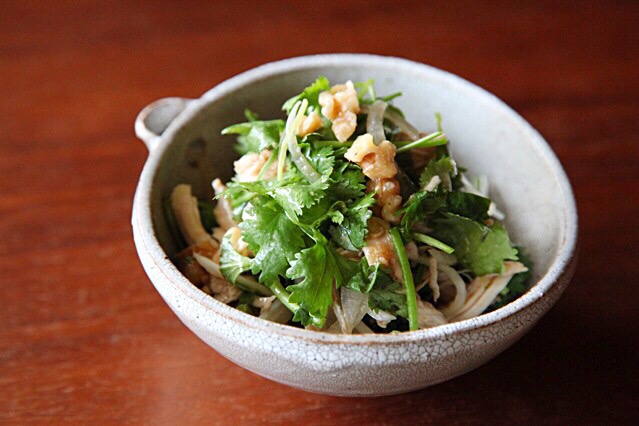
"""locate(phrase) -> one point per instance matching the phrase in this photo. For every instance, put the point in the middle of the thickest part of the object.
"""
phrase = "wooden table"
(85, 338)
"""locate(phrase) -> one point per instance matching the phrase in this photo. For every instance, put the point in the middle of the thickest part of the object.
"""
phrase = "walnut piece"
(309, 124)
(341, 106)
(379, 247)
(249, 166)
(376, 161)
(387, 196)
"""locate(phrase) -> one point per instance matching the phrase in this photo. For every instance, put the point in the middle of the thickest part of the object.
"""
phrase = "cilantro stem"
(247, 284)
(409, 284)
(267, 165)
(280, 292)
(432, 242)
(332, 144)
(434, 139)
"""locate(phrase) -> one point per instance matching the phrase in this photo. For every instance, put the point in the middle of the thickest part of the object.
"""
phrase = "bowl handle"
(156, 117)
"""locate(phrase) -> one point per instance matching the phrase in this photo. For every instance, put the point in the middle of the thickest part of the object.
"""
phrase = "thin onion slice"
(375, 121)
(457, 304)
(354, 307)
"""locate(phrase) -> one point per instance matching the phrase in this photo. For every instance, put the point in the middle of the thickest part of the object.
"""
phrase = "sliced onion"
(397, 120)
(457, 304)
(375, 121)
(209, 265)
(382, 317)
(277, 312)
(403, 125)
(354, 306)
(297, 156)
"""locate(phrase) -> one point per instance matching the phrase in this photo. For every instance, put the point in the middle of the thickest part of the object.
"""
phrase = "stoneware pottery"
(488, 138)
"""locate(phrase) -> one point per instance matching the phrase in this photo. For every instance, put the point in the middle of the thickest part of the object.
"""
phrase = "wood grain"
(85, 338)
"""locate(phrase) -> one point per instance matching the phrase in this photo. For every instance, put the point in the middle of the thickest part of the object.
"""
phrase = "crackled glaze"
(544, 221)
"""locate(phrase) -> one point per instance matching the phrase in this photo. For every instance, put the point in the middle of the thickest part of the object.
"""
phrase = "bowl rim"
(146, 241)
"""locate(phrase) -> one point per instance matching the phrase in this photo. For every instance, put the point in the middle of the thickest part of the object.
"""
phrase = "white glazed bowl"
(487, 137)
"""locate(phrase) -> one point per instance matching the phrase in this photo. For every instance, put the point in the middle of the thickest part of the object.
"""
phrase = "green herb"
(310, 93)
(481, 248)
(232, 264)
(444, 168)
(434, 139)
(319, 269)
(517, 285)
(386, 296)
(351, 230)
(255, 136)
(409, 285)
(433, 242)
(272, 236)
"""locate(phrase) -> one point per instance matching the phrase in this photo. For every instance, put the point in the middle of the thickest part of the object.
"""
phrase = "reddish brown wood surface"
(85, 338)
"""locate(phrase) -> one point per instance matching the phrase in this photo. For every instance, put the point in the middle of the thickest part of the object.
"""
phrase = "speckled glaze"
(488, 138)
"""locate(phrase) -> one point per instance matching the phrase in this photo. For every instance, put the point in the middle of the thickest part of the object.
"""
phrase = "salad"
(345, 218)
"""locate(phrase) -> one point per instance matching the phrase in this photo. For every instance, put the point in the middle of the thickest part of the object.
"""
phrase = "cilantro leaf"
(317, 268)
(443, 167)
(321, 159)
(420, 206)
(232, 264)
(385, 296)
(272, 236)
(364, 277)
(310, 93)
(517, 285)
(348, 181)
(468, 205)
(483, 249)
(255, 136)
(351, 231)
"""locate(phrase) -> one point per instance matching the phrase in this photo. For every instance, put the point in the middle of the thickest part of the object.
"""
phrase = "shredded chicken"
(223, 290)
(432, 278)
(223, 211)
(341, 106)
(376, 161)
(187, 216)
(309, 124)
(428, 316)
(379, 247)
(249, 166)
(411, 251)
(483, 290)
(387, 195)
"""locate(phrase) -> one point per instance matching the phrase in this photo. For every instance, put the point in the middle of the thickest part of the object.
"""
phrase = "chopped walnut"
(387, 196)
(376, 161)
(309, 124)
(249, 166)
(379, 247)
(341, 106)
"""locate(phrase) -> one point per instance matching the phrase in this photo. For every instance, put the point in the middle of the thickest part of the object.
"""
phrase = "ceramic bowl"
(489, 138)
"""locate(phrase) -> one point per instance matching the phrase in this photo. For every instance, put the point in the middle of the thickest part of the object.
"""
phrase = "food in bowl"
(345, 218)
